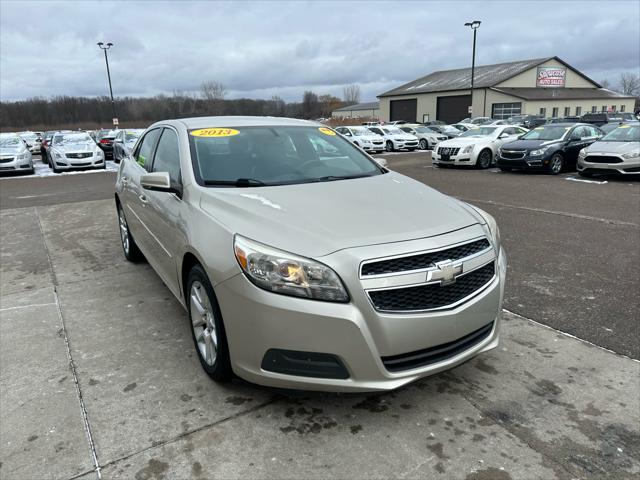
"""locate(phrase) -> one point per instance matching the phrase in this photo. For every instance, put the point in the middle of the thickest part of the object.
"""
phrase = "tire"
(424, 145)
(556, 164)
(206, 324)
(129, 246)
(389, 146)
(484, 159)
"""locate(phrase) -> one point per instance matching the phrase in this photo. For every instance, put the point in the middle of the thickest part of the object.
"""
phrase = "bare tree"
(605, 84)
(310, 105)
(630, 84)
(213, 90)
(351, 94)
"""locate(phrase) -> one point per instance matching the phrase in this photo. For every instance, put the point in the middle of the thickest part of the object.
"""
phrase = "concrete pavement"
(129, 399)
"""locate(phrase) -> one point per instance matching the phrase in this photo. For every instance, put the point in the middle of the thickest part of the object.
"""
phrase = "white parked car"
(14, 154)
(477, 146)
(74, 150)
(427, 138)
(33, 141)
(395, 139)
(478, 120)
(363, 138)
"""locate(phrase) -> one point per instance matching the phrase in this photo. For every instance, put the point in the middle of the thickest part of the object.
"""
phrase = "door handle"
(143, 198)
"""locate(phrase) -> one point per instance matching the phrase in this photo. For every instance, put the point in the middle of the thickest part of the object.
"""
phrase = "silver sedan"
(266, 231)
(14, 154)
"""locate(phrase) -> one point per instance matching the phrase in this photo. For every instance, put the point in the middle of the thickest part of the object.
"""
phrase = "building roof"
(560, 93)
(359, 106)
(485, 76)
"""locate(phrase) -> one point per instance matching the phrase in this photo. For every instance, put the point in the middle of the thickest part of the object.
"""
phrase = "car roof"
(237, 121)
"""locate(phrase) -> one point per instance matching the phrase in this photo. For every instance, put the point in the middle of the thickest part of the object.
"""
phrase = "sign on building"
(551, 77)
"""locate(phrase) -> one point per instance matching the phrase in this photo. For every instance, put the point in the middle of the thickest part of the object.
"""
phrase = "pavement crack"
(169, 441)
(72, 366)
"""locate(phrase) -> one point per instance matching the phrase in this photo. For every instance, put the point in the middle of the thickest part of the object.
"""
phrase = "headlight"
(539, 151)
(23, 156)
(58, 154)
(99, 154)
(634, 154)
(582, 153)
(286, 273)
(468, 149)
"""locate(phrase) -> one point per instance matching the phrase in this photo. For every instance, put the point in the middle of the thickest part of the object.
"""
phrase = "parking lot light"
(474, 26)
(106, 60)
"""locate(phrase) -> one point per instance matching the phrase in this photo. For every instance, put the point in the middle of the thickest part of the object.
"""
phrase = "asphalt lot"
(99, 373)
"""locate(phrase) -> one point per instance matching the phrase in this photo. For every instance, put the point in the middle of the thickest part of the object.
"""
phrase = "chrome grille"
(448, 151)
(513, 154)
(80, 155)
(423, 260)
(602, 159)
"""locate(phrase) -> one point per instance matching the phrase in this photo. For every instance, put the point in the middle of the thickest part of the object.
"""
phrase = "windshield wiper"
(240, 182)
(331, 178)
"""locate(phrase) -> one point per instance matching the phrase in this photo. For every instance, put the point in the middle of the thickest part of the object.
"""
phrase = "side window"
(167, 158)
(145, 149)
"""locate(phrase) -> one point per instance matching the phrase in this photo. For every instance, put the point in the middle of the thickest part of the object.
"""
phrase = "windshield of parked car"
(275, 155)
(624, 133)
(362, 131)
(107, 133)
(132, 135)
(546, 132)
(423, 130)
(479, 132)
(9, 141)
(393, 130)
(68, 138)
(28, 136)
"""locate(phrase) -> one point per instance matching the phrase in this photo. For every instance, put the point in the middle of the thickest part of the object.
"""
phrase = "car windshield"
(132, 135)
(28, 136)
(9, 141)
(624, 133)
(479, 132)
(275, 155)
(423, 130)
(393, 130)
(107, 134)
(361, 131)
(72, 138)
(547, 132)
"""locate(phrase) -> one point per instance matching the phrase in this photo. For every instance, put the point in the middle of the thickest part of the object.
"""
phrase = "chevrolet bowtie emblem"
(446, 272)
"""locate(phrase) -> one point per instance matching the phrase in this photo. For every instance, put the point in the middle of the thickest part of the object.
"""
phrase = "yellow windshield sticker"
(624, 126)
(327, 131)
(215, 132)
(538, 128)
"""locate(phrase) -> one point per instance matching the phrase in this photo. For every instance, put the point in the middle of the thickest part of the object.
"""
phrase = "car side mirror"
(158, 182)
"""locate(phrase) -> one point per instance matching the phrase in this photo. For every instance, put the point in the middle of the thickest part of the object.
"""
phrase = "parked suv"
(601, 118)
(552, 148)
(617, 152)
(286, 272)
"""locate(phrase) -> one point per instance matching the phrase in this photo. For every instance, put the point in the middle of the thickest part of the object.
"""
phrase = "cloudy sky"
(260, 49)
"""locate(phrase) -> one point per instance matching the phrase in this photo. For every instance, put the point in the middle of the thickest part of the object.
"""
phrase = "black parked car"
(601, 118)
(104, 139)
(552, 148)
(527, 121)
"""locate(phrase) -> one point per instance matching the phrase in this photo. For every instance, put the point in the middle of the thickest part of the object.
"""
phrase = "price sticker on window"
(327, 131)
(215, 132)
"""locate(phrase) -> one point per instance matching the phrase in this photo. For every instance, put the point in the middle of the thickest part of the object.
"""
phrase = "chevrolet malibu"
(263, 229)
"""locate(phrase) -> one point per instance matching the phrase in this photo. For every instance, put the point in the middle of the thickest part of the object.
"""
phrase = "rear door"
(133, 195)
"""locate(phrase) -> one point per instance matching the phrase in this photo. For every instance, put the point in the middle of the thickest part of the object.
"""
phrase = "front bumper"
(399, 145)
(629, 166)
(257, 321)
(15, 165)
(459, 159)
(373, 147)
(525, 163)
(71, 163)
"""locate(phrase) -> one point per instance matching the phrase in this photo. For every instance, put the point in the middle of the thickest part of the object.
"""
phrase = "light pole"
(106, 60)
(474, 26)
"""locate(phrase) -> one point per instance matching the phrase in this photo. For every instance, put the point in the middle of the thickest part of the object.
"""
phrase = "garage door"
(404, 110)
(453, 109)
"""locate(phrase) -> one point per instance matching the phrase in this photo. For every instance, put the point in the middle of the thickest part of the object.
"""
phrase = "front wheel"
(424, 145)
(484, 159)
(389, 146)
(207, 328)
(556, 164)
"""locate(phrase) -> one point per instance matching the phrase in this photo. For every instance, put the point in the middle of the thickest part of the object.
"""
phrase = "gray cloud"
(269, 48)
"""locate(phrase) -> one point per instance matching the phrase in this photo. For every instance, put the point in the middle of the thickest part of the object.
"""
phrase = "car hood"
(11, 150)
(463, 142)
(529, 144)
(76, 147)
(316, 219)
(612, 147)
(398, 136)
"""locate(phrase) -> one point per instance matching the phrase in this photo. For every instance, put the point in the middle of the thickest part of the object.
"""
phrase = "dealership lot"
(135, 402)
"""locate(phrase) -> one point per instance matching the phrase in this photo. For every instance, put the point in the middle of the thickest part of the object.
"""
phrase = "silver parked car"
(74, 150)
(618, 152)
(263, 229)
(124, 142)
(14, 154)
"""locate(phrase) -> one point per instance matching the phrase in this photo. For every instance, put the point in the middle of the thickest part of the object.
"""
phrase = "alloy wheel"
(203, 323)
(389, 146)
(124, 231)
(423, 144)
(485, 159)
(556, 164)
